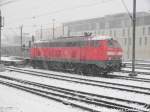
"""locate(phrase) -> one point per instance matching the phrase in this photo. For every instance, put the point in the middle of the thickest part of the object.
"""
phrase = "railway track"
(130, 78)
(86, 101)
(138, 72)
(104, 84)
(140, 68)
(138, 64)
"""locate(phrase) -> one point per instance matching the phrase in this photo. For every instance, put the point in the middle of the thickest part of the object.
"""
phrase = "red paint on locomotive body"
(85, 49)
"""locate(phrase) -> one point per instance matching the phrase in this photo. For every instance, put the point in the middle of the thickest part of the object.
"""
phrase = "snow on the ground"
(82, 87)
(57, 106)
(112, 80)
(10, 59)
(138, 62)
(140, 75)
(13, 100)
(137, 70)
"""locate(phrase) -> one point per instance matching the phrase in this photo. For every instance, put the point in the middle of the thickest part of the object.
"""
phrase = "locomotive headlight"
(110, 53)
(120, 53)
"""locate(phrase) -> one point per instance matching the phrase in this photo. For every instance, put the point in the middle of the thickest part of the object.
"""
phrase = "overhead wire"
(72, 8)
(126, 8)
(62, 10)
(2, 3)
(68, 9)
(27, 26)
(57, 11)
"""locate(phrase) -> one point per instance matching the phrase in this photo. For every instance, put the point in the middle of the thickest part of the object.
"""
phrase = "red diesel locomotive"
(83, 54)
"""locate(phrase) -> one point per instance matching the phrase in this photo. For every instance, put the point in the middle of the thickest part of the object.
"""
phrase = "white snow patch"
(82, 87)
(13, 100)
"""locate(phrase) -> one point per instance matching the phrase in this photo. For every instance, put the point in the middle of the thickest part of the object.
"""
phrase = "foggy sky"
(37, 12)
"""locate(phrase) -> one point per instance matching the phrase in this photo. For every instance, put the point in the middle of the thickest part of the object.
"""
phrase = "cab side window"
(94, 43)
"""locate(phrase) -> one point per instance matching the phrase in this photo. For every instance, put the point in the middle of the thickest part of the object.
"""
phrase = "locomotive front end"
(114, 54)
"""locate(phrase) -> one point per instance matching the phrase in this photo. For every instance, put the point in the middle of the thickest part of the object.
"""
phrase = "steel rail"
(79, 96)
(85, 81)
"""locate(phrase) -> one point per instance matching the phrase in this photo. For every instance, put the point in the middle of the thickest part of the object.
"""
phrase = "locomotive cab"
(113, 55)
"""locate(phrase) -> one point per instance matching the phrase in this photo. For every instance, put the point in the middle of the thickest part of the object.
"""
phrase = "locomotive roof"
(77, 38)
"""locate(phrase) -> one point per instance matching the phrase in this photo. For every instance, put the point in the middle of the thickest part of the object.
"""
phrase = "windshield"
(113, 43)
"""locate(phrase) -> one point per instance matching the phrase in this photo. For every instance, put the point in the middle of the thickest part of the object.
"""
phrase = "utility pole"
(128, 45)
(41, 33)
(134, 34)
(21, 28)
(0, 34)
(63, 29)
(53, 28)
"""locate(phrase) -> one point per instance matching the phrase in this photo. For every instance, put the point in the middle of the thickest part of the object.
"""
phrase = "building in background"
(119, 26)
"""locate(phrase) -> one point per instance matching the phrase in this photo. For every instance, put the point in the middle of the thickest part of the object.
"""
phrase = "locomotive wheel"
(93, 70)
(103, 72)
(88, 70)
(79, 70)
(33, 64)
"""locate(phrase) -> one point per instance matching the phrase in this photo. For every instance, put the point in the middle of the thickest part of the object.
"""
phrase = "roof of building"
(123, 16)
